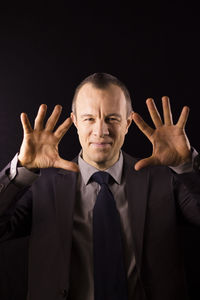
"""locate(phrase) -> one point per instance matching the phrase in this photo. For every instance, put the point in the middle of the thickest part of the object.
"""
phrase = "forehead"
(91, 98)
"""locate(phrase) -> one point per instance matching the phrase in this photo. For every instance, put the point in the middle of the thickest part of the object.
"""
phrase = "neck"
(101, 165)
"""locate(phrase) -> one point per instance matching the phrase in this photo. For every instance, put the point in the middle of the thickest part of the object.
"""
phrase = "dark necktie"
(109, 273)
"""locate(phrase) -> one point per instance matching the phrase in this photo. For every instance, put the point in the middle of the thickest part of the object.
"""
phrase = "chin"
(100, 158)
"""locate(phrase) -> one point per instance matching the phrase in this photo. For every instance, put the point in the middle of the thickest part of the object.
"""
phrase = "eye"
(112, 119)
(89, 119)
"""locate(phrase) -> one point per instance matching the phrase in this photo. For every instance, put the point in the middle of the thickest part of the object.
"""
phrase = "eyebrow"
(114, 115)
(110, 115)
(86, 115)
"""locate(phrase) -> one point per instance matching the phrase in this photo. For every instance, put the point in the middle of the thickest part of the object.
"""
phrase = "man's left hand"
(171, 146)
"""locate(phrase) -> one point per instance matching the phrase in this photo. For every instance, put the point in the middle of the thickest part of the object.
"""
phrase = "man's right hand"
(39, 148)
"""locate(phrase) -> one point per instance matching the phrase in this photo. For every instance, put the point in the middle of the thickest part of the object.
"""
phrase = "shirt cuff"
(21, 176)
(187, 167)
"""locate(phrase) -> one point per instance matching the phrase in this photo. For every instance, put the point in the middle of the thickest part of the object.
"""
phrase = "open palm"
(39, 148)
(170, 143)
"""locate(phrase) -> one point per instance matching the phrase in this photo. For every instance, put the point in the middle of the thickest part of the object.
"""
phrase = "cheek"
(119, 136)
(83, 133)
(119, 132)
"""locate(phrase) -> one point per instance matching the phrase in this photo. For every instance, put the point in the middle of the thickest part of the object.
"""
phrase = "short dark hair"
(102, 81)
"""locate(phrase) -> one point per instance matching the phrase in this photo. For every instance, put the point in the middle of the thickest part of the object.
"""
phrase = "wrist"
(191, 165)
(26, 165)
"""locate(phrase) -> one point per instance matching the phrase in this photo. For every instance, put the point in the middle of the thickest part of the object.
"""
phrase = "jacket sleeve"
(15, 208)
(187, 193)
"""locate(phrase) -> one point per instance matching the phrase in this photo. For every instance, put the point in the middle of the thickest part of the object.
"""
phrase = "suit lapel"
(136, 191)
(65, 200)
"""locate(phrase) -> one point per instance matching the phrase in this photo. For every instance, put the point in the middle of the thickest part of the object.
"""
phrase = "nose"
(100, 128)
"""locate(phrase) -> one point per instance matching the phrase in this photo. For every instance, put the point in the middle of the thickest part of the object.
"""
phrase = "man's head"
(102, 81)
(102, 115)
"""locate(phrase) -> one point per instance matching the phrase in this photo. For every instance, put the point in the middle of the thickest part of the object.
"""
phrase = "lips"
(100, 145)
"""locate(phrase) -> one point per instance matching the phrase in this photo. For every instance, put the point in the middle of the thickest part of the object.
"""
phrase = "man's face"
(101, 122)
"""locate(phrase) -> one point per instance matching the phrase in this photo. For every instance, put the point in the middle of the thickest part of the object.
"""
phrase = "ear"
(73, 117)
(129, 121)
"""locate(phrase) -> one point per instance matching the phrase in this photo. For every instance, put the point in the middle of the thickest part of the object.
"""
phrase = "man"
(55, 207)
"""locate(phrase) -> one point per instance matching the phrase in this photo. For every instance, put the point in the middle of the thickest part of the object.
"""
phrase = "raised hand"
(170, 143)
(39, 148)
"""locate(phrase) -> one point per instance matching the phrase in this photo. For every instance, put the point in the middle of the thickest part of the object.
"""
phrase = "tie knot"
(101, 177)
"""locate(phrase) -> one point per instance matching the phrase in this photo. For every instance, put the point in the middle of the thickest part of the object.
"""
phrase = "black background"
(46, 50)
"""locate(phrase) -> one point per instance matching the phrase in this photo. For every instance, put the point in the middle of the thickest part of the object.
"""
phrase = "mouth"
(100, 145)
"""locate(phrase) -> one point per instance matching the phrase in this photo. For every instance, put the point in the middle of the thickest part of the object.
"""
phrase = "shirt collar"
(87, 170)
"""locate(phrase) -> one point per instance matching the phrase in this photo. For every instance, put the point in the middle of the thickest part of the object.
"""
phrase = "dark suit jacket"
(157, 199)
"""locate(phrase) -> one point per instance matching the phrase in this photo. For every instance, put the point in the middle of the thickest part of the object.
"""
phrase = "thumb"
(149, 161)
(66, 165)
